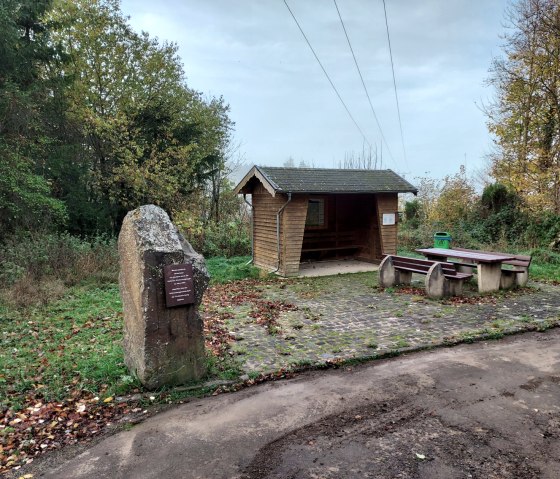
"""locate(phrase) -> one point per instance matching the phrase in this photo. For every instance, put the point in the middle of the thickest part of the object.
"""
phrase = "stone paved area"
(347, 316)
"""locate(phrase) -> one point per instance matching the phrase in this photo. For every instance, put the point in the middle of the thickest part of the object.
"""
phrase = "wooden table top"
(477, 257)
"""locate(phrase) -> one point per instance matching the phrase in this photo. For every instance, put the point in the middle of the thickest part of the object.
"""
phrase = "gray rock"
(162, 346)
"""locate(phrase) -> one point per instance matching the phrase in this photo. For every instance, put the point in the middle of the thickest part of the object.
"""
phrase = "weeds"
(37, 269)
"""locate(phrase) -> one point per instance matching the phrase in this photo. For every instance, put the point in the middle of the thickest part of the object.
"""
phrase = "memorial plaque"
(179, 286)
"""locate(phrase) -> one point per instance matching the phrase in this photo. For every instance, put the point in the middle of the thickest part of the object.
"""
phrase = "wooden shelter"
(311, 214)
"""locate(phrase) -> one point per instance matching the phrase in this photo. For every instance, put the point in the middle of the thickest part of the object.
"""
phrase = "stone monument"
(163, 344)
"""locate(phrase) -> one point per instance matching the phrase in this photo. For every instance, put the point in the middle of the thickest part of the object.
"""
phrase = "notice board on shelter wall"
(389, 219)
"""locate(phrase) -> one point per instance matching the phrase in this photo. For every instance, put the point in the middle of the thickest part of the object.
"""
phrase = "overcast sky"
(252, 53)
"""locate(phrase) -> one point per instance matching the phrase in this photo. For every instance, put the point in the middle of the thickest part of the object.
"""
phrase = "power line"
(394, 81)
(327, 75)
(363, 82)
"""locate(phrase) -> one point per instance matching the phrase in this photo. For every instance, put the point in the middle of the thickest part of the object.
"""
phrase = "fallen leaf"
(107, 400)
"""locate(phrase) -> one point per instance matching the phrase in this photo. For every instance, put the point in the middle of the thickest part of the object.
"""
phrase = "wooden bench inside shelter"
(330, 241)
(442, 278)
(515, 272)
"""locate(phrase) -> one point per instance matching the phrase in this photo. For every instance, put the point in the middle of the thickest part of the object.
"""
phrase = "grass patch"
(222, 270)
(544, 272)
(73, 344)
(409, 253)
(401, 343)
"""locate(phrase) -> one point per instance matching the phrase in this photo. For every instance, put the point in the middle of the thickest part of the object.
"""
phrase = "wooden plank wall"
(382, 239)
(375, 233)
(387, 203)
(293, 226)
(265, 207)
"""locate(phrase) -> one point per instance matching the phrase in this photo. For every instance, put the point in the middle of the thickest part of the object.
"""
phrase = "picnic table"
(489, 265)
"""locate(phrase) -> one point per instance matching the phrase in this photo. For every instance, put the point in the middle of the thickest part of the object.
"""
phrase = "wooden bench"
(317, 240)
(515, 272)
(442, 278)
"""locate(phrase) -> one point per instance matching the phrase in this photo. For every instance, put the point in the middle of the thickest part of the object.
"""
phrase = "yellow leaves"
(449, 202)
(108, 399)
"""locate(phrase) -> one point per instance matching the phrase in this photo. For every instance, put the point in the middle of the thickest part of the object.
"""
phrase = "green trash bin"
(442, 239)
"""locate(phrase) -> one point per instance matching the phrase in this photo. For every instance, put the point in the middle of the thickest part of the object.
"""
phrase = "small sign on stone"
(179, 286)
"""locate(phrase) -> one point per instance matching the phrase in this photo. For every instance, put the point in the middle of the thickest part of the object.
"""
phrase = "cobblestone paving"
(345, 317)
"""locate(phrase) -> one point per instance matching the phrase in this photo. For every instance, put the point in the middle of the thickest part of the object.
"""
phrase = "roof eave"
(353, 192)
(256, 172)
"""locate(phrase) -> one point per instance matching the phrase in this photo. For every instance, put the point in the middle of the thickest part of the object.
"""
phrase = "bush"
(545, 256)
(423, 236)
(413, 213)
(542, 230)
(226, 239)
(35, 268)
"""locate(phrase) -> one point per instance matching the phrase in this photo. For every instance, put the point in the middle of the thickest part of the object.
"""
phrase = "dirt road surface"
(486, 410)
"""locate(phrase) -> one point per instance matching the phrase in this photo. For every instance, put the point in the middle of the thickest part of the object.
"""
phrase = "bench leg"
(465, 269)
(522, 278)
(508, 279)
(403, 277)
(455, 287)
(387, 273)
(436, 285)
(489, 276)
(389, 276)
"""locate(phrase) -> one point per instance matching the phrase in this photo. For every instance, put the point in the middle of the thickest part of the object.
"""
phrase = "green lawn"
(222, 270)
(75, 343)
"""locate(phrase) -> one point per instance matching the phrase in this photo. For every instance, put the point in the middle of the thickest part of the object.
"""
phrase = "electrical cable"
(394, 81)
(327, 75)
(363, 82)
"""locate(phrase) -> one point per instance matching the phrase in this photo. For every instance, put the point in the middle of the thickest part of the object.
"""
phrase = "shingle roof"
(322, 180)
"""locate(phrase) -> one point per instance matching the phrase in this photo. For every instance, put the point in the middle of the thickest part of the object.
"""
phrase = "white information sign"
(388, 219)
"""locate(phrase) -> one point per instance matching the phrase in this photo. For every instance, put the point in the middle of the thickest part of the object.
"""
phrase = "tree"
(26, 199)
(147, 137)
(413, 212)
(365, 160)
(500, 215)
(525, 116)
(456, 200)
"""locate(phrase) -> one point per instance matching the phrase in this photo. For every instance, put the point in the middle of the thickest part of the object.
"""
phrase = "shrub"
(497, 197)
(413, 213)
(37, 267)
(545, 256)
(461, 233)
(226, 239)
(542, 230)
